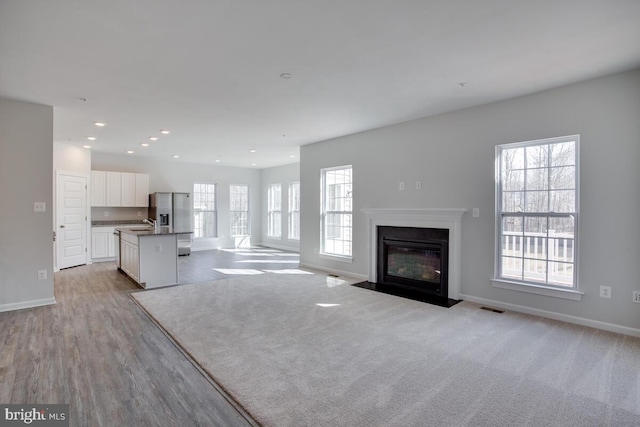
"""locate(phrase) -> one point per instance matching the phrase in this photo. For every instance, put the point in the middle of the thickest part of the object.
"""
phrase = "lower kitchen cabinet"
(102, 244)
(130, 259)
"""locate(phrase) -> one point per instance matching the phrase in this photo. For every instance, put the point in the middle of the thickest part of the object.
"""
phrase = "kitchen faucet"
(151, 222)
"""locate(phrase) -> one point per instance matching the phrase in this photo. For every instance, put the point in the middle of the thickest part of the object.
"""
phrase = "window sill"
(570, 294)
(340, 258)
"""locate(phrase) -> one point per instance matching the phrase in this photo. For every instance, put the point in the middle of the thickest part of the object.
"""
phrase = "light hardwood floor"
(97, 351)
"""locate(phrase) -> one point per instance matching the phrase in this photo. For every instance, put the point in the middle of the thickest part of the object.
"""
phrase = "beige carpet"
(294, 351)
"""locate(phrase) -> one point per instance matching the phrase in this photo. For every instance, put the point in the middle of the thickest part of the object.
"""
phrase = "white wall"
(279, 175)
(26, 168)
(453, 155)
(174, 176)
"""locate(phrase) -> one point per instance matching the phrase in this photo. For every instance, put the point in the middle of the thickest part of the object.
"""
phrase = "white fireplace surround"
(449, 219)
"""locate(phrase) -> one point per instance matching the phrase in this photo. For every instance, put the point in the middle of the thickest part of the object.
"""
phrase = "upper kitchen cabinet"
(128, 193)
(119, 189)
(114, 189)
(142, 190)
(98, 188)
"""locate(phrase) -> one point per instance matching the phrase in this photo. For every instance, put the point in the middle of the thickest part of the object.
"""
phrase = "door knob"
(62, 226)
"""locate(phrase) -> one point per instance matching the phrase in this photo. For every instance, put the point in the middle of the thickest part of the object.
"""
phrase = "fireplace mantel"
(450, 219)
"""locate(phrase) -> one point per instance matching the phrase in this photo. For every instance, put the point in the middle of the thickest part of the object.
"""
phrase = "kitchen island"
(149, 256)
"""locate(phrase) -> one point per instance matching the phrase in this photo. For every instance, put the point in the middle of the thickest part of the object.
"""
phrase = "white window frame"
(543, 287)
(197, 210)
(274, 211)
(343, 232)
(294, 211)
(246, 228)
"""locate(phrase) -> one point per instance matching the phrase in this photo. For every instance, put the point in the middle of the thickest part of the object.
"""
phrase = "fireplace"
(414, 259)
(416, 253)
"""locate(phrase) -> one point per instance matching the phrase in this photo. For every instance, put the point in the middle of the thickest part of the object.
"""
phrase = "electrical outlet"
(106, 213)
(636, 297)
(401, 186)
(42, 274)
(158, 248)
(418, 185)
(139, 213)
(605, 291)
(476, 212)
(39, 207)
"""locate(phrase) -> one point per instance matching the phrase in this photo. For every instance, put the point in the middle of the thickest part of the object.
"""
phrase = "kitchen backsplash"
(116, 215)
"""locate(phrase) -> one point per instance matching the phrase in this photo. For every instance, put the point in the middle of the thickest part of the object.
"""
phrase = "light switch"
(476, 212)
(401, 186)
(39, 207)
(418, 185)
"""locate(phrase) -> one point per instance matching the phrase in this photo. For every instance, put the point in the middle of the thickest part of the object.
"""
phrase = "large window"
(336, 211)
(239, 209)
(537, 211)
(204, 211)
(294, 211)
(274, 210)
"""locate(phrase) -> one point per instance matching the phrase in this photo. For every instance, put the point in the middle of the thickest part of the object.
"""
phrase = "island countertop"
(149, 231)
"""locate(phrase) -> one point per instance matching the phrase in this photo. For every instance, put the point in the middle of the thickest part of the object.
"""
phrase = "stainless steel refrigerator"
(174, 210)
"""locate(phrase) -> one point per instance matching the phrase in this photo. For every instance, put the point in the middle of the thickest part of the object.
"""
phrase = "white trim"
(570, 294)
(334, 271)
(27, 304)
(339, 258)
(611, 327)
(450, 219)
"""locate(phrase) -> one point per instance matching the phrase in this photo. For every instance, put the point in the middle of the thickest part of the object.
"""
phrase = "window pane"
(535, 270)
(563, 201)
(513, 180)
(511, 267)
(535, 237)
(561, 273)
(512, 158)
(513, 201)
(537, 201)
(537, 179)
(537, 156)
(563, 153)
(563, 178)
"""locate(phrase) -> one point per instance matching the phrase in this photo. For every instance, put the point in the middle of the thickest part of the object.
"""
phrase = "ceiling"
(209, 70)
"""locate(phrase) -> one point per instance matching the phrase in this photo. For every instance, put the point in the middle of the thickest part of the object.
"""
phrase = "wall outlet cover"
(605, 291)
(42, 274)
(636, 297)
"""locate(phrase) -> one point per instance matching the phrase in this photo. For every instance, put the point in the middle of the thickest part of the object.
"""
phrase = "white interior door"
(71, 235)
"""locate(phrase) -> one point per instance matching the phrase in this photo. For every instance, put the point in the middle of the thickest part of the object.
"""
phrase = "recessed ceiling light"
(91, 138)
(292, 156)
(166, 132)
(217, 160)
(86, 146)
(285, 76)
(252, 151)
(99, 124)
(175, 156)
(253, 164)
(153, 138)
(144, 144)
(130, 151)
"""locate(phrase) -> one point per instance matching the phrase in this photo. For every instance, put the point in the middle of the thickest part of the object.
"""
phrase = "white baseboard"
(555, 316)
(363, 277)
(27, 304)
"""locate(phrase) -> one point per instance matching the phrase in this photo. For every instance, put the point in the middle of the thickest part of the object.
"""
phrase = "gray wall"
(279, 175)
(26, 170)
(453, 155)
(174, 176)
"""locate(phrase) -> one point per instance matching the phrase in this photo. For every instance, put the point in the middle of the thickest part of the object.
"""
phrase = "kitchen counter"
(149, 257)
(149, 231)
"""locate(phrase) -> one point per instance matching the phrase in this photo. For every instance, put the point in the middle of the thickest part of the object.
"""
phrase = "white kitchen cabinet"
(114, 188)
(102, 244)
(119, 189)
(98, 188)
(142, 190)
(128, 189)
(149, 259)
(130, 256)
